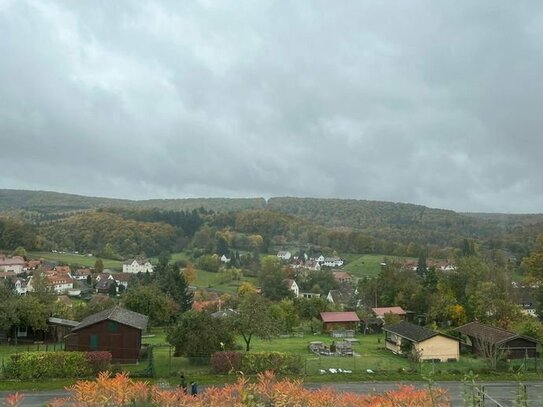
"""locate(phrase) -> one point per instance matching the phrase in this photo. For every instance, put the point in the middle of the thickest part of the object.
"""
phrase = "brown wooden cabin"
(339, 320)
(116, 330)
(515, 346)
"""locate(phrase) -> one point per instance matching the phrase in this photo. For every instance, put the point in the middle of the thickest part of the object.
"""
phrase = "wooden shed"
(116, 330)
(339, 320)
(474, 335)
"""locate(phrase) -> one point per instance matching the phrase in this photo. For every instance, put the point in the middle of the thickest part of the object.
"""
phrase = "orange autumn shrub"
(267, 391)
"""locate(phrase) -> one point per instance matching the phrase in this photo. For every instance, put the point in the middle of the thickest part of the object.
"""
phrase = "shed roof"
(380, 312)
(339, 317)
(411, 331)
(117, 314)
(63, 322)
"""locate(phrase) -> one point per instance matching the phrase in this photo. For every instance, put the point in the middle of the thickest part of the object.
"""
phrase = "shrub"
(36, 365)
(122, 391)
(278, 362)
(99, 361)
(226, 362)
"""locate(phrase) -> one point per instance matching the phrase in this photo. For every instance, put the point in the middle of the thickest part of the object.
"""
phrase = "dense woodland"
(121, 228)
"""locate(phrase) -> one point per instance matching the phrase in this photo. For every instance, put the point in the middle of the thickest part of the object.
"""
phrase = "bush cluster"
(99, 361)
(256, 362)
(226, 362)
(37, 365)
(50, 365)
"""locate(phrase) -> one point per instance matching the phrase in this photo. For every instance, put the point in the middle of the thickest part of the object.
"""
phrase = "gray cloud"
(423, 102)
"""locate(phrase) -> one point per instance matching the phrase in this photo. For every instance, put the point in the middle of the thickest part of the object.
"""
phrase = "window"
(112, 326)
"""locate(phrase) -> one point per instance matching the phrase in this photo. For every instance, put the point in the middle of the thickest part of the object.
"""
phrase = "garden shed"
(339, 321)
(116, 330)
(475, 335)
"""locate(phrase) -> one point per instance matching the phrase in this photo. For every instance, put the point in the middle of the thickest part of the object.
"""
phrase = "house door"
(93, 342)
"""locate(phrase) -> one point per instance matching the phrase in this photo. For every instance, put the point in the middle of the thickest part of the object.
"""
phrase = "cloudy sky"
(438, 103)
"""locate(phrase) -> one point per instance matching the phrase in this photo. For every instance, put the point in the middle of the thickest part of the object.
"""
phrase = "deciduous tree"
(254, 319)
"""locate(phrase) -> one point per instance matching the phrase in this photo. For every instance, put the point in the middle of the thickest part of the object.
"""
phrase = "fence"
(503, 395)
(318, 364)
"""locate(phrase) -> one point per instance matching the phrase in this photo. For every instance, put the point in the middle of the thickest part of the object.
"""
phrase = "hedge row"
(256, 362)
(48, 365)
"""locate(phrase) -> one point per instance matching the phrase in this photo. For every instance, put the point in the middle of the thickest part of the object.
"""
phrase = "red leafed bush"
(267, 391)
(99, 361)
(226, 362)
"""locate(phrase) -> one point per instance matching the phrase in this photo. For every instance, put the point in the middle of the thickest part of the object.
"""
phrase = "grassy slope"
(76, 259)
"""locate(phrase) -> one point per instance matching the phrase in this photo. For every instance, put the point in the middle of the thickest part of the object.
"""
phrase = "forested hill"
(397, 223)
(36, 203)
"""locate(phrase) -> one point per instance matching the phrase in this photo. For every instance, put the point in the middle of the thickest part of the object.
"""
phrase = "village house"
(122, 279)
(405, 337)
(308, 295)
(345, 295)
(284, 255)
(225, 259)
(62, 269)
(33, 265)
(526, 299)
(20, 286)
(342, 276)
(292, 286)
(139, 265)
(59, 283)
(329, 261)
(81, 274)
(16, 264)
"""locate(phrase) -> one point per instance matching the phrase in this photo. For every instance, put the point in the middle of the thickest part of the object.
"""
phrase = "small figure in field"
(194, 388)
(183, 383)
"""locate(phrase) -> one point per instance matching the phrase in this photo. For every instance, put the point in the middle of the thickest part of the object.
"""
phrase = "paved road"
(503, 392)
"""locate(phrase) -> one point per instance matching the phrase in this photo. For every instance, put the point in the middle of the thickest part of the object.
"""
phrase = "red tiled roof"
(380, 312)
(339, 317)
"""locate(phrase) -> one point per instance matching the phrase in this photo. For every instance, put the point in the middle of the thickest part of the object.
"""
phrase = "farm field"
(366, 265)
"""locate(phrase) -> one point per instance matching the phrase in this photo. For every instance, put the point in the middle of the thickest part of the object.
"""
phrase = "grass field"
(369, 354)
(76, 259)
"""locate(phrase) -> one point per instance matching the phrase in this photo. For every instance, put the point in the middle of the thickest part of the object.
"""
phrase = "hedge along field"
(51, 365)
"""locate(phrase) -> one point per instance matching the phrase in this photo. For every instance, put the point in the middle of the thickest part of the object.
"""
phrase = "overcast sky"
(438, 103)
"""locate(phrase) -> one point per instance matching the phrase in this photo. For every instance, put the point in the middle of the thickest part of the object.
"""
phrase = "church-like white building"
(137, 266)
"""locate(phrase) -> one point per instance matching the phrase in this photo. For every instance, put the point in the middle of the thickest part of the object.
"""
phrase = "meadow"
(81, 260)
(370, 362)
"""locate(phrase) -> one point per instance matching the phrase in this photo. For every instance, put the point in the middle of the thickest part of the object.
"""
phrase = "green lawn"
(369, 354)
(207, 279)
(76, 259)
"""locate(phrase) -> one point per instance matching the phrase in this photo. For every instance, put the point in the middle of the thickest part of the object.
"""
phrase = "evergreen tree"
(173, 283)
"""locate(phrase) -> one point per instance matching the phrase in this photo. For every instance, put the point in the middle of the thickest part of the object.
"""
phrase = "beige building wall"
(439, 347)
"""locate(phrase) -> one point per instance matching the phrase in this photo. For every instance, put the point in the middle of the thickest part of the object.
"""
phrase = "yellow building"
(405, 337)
